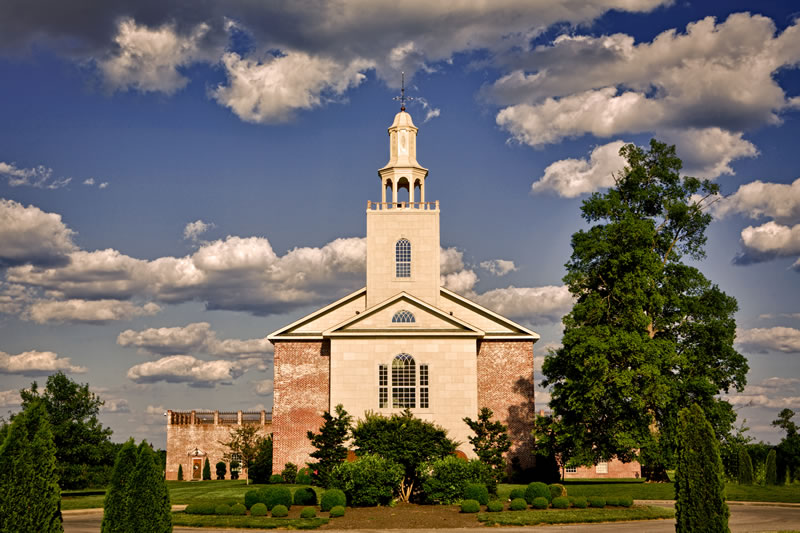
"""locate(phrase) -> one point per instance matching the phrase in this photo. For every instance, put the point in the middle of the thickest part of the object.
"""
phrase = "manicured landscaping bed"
(569, 516)
(254, 522)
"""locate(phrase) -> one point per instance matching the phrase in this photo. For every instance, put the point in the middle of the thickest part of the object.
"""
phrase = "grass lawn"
(569, 516)
(259, 522)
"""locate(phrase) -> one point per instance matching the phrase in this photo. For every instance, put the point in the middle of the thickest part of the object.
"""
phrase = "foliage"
(237, 509)
(252, 497)
(626, 501)
(540, 502)
(273, 496)
(404, 439)
(222, 508)
(491, 442)
(222, 468)
(80, 439)
(308, 512)
(535, 490)
(477, 491)
(332, 498)
(573, 516)
(259, 509)
(280, 511)
(745, 468)
(329, 443)
(245, 443)
(729, 447)
(305, 496)
(147, 499)
(516, 493)
(200, 508)
(445, 480)
(613, 501)
(228, 522)
(788, 450)
(470, 506)
(180, 472)
(494, 506)
(699, 482)
(115, 504)
(206, 470)
(596, 501)
(235, 470)
(771, 476)
(518, 504)
(580, 502)
(260, 468)
(337, 511)
(289, 473)
(29, 494)
(560, 502)
(371, 480)
(557, 490)
(275, 479)
(304, 476)
(648, 334)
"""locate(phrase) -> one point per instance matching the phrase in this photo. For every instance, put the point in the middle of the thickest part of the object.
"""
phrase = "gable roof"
(291, 331)
(508, 329)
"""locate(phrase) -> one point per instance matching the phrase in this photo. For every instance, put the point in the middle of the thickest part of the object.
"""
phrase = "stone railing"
(229, 418)
(384, 206)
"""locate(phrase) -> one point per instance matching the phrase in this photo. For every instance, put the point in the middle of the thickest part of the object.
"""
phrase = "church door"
(197, 468)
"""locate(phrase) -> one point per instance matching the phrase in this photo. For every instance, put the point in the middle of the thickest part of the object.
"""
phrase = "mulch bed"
(403, 516)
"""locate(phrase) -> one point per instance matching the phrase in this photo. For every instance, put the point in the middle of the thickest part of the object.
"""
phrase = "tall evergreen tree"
(648, 334)
(147, 500)
(490, 441)
(699, 477)
(771, 474)
(745, 467)
(114, 506)
(206, 470)
(260, 468)
(180, 472)
(329, 443)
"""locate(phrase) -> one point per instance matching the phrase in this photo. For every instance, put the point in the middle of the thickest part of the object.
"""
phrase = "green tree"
(244, 442)
(115, 504)
(699, 479)
(329, 443)
(221, 469)
(490, 442)
(771, 475)
(81, 440)
(261, 468)
(148, 508)
(206, 470)
(788, 451)
(745, 468)
(648, 334)
(180, 472)
(404, 439)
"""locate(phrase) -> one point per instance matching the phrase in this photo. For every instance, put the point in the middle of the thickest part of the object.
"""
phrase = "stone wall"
(613, 469)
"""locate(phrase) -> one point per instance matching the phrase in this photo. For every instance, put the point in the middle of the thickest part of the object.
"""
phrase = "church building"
(403, 341)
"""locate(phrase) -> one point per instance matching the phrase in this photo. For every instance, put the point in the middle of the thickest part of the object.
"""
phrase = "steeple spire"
(402, 98)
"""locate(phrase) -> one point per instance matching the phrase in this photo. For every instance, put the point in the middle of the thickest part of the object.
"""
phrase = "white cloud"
(88, 181)
(768, 241)
(155, 410)
(197, 338)
(35, 363)
(708, 152)
(779, 339)
(264, 387)
(103, 185)
(272, 90)
(450, 260)
(86, 311)
(461, 282)
(186, 369)
(116, 405)
(572, 177)
(532, 304)
(499, 267)
(10, 398)
(763, 199)
(14, 297)
(774, 393)
(40, 177)
(193, 230)
(28, 235)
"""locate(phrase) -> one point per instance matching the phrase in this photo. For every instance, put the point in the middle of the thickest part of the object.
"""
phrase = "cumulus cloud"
(759, 199)
(186, 369)
(461, 282)
(763, 340)
(116, 405)
(86, 311)
(264, 387)
(768, 241)
(773, 393)
(35, 363)
(31, 236)
(549, 302)
(10, 398)
(499, 267)
(193, 230)
(155, 410)
(195, 338)
(572, 177)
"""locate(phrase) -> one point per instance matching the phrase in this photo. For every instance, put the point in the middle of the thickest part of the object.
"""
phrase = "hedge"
(337, 511)
(470, 506)
(332, 498)
(540, 502)
(518, 504)
(536, 490)
(478, 492)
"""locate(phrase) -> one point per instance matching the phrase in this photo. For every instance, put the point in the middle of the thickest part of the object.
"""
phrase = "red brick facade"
(302, 394)
(613, 469)
(505, 385)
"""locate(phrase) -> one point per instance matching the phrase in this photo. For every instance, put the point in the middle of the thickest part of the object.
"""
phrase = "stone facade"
(612, 469)
(193, 436)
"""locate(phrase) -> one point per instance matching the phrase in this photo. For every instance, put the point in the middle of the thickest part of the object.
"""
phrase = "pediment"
(312, 325)
(494, 325)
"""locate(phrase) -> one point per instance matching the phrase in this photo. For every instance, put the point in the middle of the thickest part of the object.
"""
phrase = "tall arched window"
(404, 385)
(402, 259)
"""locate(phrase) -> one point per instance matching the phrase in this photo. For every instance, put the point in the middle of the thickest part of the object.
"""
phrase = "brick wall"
(301, 395)
(505, 385)
(615, 467)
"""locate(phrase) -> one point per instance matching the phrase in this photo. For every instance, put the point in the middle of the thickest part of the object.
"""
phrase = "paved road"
(744, 519)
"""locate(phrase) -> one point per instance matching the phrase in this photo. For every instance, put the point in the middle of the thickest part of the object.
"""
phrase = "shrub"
(277, 496)
(261, 467)
(303, 476)
(771, 476)
(289, 473)
(626, 501)
(252, 497)
(280, 511)
(330, 443)
(536, 490)
(516, 493)
(114, 506)
(491, 442)
(580, 502)
(557, 490)
(612, 502)
(596, 501)
(258, 509)
(305, 496)
(221, 470)
(540, 502)
(445, 480)
(275, 479)
(308, 512)
(560, 502)
(238, 509)
(332, 498)
(337, 511)
(470, 506)
(152, 511)
(494, 506)
(235, 469)
(206, 470)
(180, 472)
(222, 509)
(200, 508)
(518, 504)
(478, 492)
(371, 480)
(745, 467)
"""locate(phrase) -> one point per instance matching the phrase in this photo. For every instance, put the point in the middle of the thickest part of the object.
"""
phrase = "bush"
(536, 490)
(445, 480)
(771, 476)
(305, 496)
(337, 511)
(745, 467)
(252, 497)
(470, 506)
(540, 502)
(580, 502)
(626, 501)
(200, 508)
(518, 504)
(277, 496)
(308, 512)
(303, 476)
(115, 506)
(238, 509)
(235, 469)
(258, 509)
(152, 511)
(371, 480)
(560, 502)
(180, 472)
(275, 479)
(557, 490)
(222, 468)
(289, 473)
(612, 502)
(494, 506)
(516, 493)
(280, 511)
(260, 468)
(596, 501)
(478, 492)
(206, 470)
(222, 508)
(332, 498)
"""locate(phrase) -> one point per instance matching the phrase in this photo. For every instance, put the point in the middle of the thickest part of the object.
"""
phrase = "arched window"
(403, 317)
(404, 385)
(402, 259)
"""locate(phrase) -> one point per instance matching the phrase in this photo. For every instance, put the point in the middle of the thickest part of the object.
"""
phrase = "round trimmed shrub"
(477, 492)
(516, 493)
(518, 504)
(222, 508)
(580, 502)
(536, 490)
(280, 511)
(305, 496)
(540, 502)
(258, 509)
(200, 508)
(597, 502)
(252, 497)
(494, 506)
(626, 501)
(308, 512)
(337, 511)
(371, 480)
(238, 509)
(612, 502)
(470, 506)
(560, 502)
(275, 479)
(332, 498)
(557, 490)
(277, 496)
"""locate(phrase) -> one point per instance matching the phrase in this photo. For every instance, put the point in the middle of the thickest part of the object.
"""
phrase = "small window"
(601, 468)
(383, 387)
(423, 386)
(402, 259)
(571, 470)
(403, 317)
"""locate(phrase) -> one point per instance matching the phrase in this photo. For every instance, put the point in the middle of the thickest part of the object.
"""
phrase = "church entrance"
(197, 468)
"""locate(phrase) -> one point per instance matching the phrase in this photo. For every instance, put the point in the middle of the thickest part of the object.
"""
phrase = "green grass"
(81, 502)
(257, 522)
(574, 516)
(757, 493)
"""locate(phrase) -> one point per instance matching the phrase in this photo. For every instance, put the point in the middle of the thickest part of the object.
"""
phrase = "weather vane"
(402, 98)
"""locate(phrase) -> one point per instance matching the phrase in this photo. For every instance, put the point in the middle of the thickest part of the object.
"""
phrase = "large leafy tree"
(789, 447)
(648, 334)
(81, 440)
(244, 442)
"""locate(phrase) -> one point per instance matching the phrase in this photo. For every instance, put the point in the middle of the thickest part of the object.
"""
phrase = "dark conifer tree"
(745, 467)
(771, 477)
(114, 506)
(148, 507)
(206, 470)
(329, 443)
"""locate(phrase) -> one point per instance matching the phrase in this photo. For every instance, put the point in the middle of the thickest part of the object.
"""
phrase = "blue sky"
(177, 183)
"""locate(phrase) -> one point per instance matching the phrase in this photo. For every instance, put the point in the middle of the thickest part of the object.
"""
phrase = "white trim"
(530, 333)
(272, 336)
